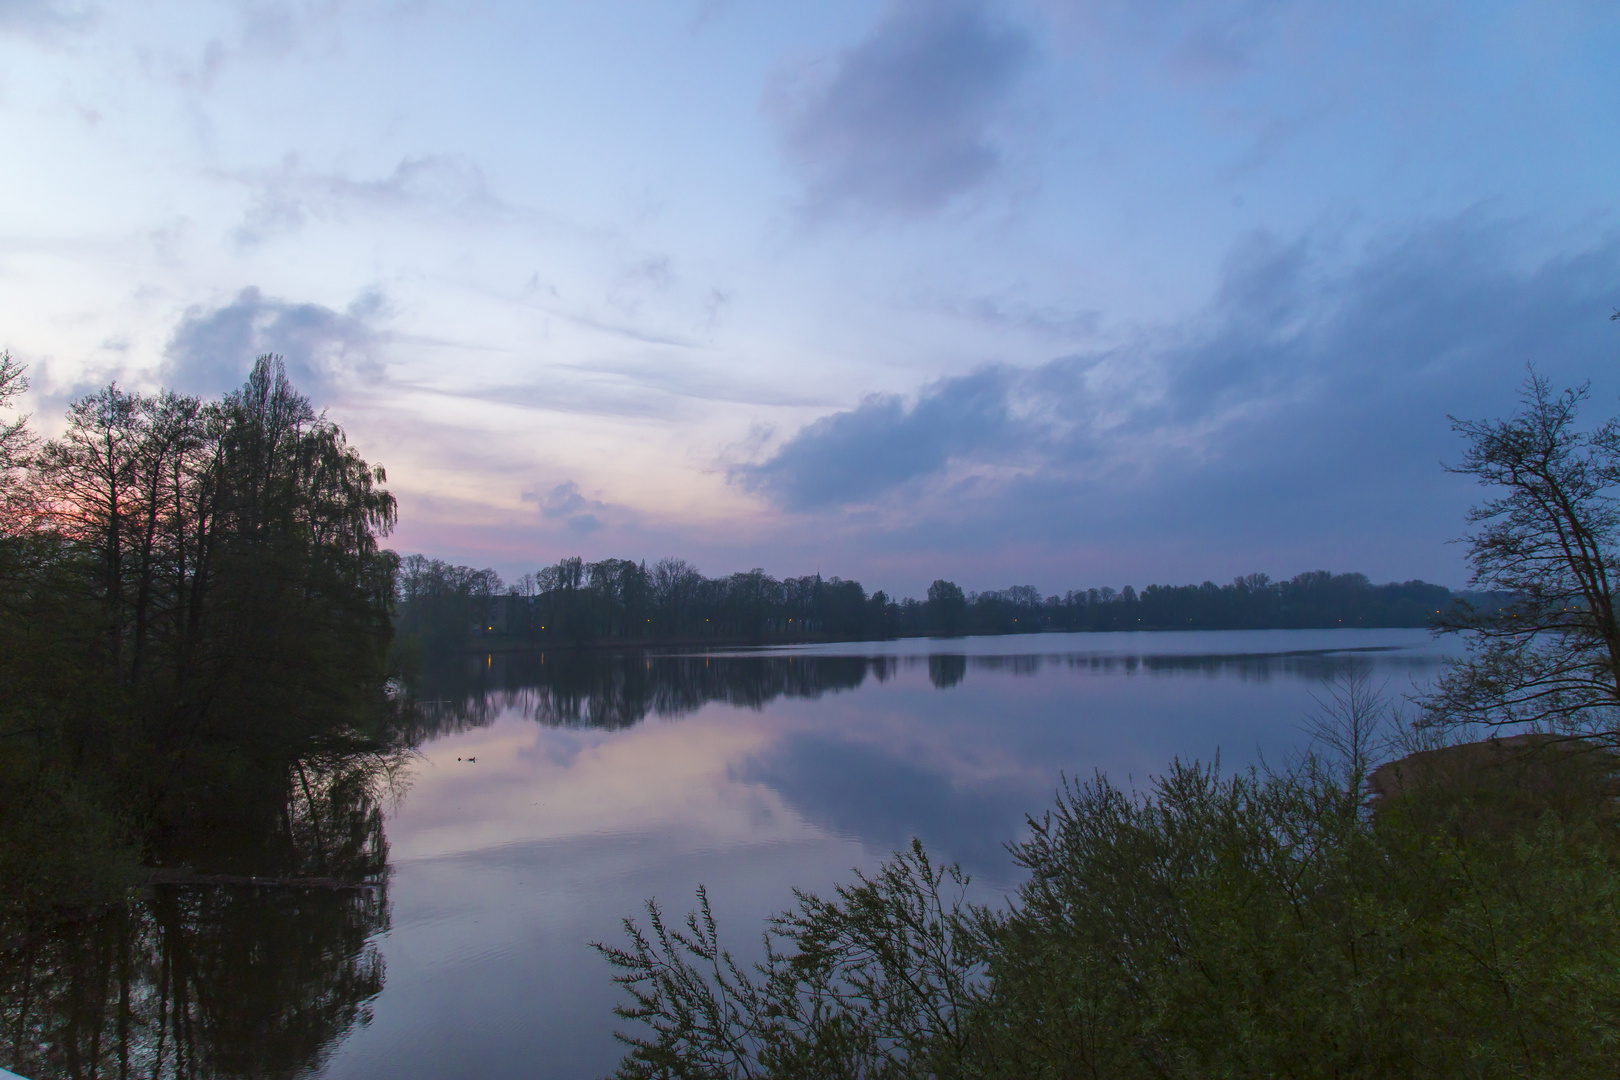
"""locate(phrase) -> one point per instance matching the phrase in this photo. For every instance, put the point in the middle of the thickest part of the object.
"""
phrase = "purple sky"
(1057, 292)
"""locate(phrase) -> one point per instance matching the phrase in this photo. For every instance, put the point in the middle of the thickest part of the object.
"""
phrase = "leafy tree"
(439, 602)
(617, 600)
(89, 481)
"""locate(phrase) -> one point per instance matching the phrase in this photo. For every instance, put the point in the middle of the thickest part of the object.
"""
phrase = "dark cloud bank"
(1301, 418)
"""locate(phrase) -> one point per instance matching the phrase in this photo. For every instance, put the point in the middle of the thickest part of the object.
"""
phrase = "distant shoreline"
(670, 605)
(509, 643)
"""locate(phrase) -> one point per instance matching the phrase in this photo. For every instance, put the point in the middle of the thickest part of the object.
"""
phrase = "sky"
(1056, 292)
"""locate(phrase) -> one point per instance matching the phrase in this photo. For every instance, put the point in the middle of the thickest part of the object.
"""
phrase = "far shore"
(507, 643)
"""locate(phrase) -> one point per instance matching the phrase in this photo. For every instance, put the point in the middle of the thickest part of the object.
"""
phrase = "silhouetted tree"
(1547, 537)
(947, 607)
(17, 444)
(195, 598)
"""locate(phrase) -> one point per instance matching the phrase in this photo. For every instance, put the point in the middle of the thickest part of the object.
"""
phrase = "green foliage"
(1265, 926)
(440, 605)
(1254, 925)
(60, 850)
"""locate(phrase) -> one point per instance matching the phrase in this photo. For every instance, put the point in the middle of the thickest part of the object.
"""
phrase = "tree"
(171, 433)
(16, 449)
(1549, 658)
(194, 603)
(90, 482)
(947, 607)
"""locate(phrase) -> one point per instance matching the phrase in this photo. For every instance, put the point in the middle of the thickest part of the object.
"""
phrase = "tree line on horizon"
(620, 600)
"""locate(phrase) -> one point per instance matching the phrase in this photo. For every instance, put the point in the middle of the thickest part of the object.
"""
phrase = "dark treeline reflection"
(206, 976)
(608, 689)
(618, 689)
(1312, 665)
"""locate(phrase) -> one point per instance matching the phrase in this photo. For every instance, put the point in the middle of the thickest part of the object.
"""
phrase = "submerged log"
(182, 876)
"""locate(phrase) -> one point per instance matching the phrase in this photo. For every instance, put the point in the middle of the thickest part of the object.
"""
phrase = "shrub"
(1253, 925)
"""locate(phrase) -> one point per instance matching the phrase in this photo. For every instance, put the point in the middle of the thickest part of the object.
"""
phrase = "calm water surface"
(553, 793)
(601, 781)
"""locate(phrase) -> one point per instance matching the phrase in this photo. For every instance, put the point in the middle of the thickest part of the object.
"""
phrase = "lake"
(553, 793)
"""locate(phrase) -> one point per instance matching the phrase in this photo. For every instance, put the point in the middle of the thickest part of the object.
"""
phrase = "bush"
(1256, 925)
(61, 851)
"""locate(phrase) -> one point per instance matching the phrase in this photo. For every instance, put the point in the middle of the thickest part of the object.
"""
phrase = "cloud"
(564, 504)
(1305, 406)
(903, 124)
(646, 277)
(1048, 322)
(248, 34)
(285, 201)
(854, 456)
(1202, 40)
(212, 349)
(42, 18)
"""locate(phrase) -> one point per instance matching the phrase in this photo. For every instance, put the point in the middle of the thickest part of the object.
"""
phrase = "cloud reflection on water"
(952, 741)
(602, 780)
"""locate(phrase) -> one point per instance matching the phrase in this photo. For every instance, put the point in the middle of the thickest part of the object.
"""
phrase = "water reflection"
(611, 690)
(552, 800)
(547, 802)
(206, 976)
(1311, 664)
(945, 671)
(882, 798)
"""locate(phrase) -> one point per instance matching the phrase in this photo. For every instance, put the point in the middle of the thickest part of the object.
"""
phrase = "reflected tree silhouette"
(612, 690)
(946, 671)
(200, 979)
(615, 689)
